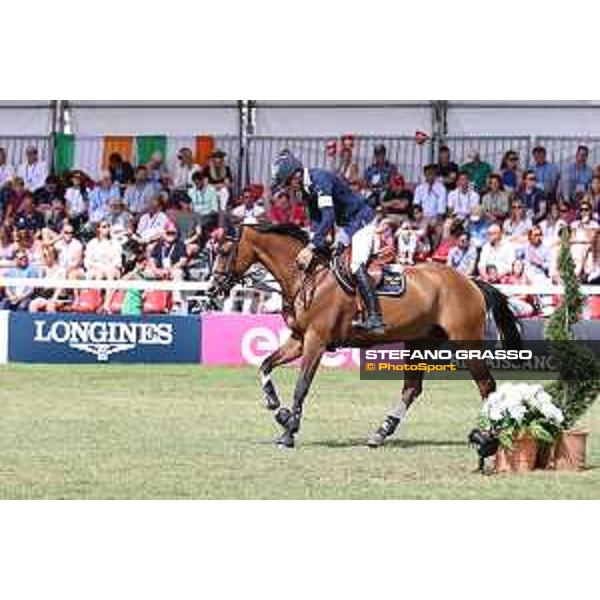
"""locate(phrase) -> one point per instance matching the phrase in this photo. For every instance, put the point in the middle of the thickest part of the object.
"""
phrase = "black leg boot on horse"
(374, 322)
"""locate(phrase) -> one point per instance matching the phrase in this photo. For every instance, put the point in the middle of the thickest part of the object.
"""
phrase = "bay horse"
(438, 303)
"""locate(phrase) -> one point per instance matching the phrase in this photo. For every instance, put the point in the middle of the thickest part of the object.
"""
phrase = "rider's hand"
(304, 258)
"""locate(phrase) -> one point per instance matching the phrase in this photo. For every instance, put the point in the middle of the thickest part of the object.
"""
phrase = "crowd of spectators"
(154, 221)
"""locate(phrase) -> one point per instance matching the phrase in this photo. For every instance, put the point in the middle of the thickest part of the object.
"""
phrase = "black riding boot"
(373, 323)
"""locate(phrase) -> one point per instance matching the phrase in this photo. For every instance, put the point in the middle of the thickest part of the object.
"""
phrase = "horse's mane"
(288, 229)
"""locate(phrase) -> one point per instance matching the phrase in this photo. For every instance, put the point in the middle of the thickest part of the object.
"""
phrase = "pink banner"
(235, 339)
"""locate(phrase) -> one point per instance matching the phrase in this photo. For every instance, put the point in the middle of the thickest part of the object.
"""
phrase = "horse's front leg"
(290, 419)
(289, 351)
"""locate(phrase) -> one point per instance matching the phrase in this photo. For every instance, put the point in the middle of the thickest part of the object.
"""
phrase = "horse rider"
(330, 201)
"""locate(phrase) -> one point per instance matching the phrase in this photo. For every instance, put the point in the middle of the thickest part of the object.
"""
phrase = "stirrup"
(373, 323)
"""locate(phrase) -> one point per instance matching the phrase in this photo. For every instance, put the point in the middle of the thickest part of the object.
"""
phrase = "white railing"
(202, 286)
(116, 284)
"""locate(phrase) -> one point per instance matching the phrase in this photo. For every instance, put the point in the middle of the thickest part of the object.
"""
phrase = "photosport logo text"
(103, 338)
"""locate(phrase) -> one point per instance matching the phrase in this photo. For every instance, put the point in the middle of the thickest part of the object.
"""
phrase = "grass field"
(149, 431)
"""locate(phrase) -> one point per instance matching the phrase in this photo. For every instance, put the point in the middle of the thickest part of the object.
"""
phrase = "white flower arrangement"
(521, 407)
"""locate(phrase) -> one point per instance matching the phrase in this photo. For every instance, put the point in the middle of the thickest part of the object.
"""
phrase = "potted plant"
(578, 371)
(521, 416)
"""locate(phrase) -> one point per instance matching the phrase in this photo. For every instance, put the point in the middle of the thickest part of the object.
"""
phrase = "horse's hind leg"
(479, 370)
(482, 377)
(412, 388)
(286, 353)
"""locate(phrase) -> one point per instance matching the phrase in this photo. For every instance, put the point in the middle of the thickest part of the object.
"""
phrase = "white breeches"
(362, 246)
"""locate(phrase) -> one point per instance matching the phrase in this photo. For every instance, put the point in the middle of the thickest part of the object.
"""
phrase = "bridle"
(225, 279)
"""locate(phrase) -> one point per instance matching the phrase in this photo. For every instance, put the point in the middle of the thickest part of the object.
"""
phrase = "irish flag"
(90, 154)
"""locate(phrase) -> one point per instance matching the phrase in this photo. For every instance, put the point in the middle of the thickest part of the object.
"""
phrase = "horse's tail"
(506, 322)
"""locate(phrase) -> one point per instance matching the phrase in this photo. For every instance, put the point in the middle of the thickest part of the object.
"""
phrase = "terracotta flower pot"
(570, 451)
(521, 457)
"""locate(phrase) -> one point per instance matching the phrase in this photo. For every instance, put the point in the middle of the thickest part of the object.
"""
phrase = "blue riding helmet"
(283, 168)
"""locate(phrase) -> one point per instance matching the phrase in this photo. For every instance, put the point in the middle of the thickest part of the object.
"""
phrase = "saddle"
(389, 279)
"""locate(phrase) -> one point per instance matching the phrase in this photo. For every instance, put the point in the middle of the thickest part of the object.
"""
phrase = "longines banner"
(65, 338)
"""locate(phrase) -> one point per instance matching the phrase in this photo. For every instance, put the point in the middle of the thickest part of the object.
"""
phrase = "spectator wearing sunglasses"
(510, 172)
(552, 225)
(103, 255)
(531, 196)
(18, 298)
(584, 231)
(517, 226)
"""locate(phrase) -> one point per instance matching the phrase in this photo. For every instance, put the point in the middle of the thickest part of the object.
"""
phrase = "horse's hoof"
(285, 441)
(376, 440)
(272, 403)
(282, 416)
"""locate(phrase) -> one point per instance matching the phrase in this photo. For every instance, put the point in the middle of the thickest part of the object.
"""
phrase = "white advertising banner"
(97, 117)
(335, 118)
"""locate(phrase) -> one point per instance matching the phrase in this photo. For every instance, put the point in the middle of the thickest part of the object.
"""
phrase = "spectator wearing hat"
(184, 169)
(117, 215)
(496, 201)
(139, 193)
(577, 177)
(430, 195)
(447, 169)
(121, 171)
(463, 256)
(463, 198)
(100, 196)
(478, 171)
(29, 217)
(33, 171)
(378, 175)
(217, 175)
(7, 171)
(397, 201)
(531, 196)
(547, 174)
